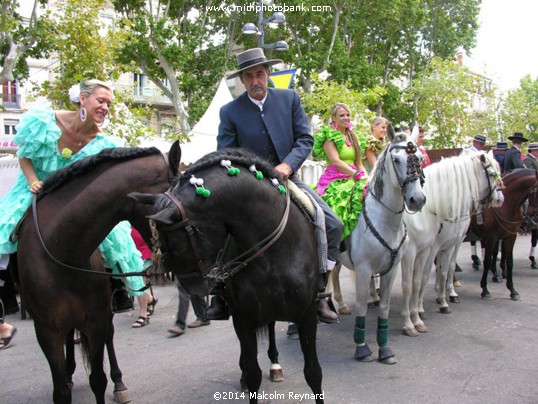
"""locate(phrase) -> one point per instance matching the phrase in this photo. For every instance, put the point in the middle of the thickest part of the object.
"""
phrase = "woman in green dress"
(50, 140)
(342, 184)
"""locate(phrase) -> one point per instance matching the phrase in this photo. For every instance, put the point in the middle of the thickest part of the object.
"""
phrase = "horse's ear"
(174, 157)
(145, 199)
(390, 132)
(164, 216)
(414, 134)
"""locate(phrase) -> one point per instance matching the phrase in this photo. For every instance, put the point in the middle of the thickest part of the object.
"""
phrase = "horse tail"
(13, 268)
(262, 332)
(85, 349)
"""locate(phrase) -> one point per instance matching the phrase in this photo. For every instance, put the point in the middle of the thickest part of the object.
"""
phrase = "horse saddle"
(309, 205)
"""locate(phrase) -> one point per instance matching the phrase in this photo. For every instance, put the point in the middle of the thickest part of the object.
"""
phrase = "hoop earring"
(83, 114)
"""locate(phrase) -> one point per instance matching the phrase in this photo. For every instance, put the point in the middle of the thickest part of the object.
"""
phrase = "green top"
(346, 153)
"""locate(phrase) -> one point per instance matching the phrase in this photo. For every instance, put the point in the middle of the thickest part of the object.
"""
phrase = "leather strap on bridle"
(223, 270)
(70, 267)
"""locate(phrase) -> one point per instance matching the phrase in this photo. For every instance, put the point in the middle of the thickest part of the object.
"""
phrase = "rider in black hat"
(512, 158)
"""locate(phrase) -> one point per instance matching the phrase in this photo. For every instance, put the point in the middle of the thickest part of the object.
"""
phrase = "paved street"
(483, 352)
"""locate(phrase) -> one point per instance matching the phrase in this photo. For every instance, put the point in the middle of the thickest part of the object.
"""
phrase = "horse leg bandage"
(382, 332)
(359, 334)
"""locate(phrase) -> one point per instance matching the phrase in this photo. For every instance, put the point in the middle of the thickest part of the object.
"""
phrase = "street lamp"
(277, 18)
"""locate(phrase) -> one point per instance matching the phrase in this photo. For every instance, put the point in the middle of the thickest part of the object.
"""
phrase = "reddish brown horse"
(503, 224)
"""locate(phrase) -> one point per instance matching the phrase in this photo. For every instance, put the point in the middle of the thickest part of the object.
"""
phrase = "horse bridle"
(220, 270)
(414, 172)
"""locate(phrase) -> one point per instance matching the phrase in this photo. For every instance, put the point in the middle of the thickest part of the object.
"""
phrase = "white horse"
(380, 238)
(453, 187)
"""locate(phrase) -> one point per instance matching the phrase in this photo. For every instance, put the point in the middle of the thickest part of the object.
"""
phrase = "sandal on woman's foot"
(4, 342)
(141, 322)
(151, 305)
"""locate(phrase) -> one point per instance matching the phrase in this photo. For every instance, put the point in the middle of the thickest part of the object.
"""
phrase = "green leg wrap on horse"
(359, 334)
(382, 332)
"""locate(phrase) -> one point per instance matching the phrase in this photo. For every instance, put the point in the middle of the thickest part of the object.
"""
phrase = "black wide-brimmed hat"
(518, 137)
(501, 146)
(250, 58)
(480, 138)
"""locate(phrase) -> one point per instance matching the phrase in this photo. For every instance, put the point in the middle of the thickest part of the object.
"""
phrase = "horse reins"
(223, 270)
(84, 270)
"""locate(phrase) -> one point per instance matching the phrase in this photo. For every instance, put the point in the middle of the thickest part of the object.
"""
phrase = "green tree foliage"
(21, 39)
(519, 112)
(444, 94)
(325, 94)
(85, 49)
(182, 42)
(364, 43)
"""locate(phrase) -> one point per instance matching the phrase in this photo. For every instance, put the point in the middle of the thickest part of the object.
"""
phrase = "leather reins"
(88, 271)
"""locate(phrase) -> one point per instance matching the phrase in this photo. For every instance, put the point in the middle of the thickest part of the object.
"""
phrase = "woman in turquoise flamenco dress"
(342, 184)
(50, 140)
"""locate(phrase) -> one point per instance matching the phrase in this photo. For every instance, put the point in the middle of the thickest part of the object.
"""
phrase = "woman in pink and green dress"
(342, 183)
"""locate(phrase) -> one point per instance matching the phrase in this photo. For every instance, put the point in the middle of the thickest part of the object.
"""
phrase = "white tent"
(203, 135)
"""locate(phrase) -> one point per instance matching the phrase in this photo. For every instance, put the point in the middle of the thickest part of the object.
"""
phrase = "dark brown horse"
(503, 224)
(77, 208)
(273, 272)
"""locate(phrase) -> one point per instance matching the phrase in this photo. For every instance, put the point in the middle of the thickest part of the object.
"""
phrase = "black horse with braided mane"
(271, 269)
(77, 208)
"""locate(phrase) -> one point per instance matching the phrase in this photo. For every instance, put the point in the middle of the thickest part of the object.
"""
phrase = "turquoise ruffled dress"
(37, 138)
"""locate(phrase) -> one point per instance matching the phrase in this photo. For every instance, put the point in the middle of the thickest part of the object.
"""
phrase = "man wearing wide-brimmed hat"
(498, 153)
(272, 124)
(512, 158)
(479, 142)
(531, 159)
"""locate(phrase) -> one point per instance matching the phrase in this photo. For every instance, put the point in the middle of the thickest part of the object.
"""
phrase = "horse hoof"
(243, 384)
(485, 295)
(386, 356)
(457, 284)
(454, 299)
(122, 396)
(445, 310)
(515, 297)
(388, 361)
(344, 310)
(496, 279)
(276, 375)
(363, 353)
(410, 332)
(421, 328)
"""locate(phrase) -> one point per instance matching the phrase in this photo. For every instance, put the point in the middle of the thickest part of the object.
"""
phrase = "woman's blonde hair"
(378, 120)
(87, 87)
